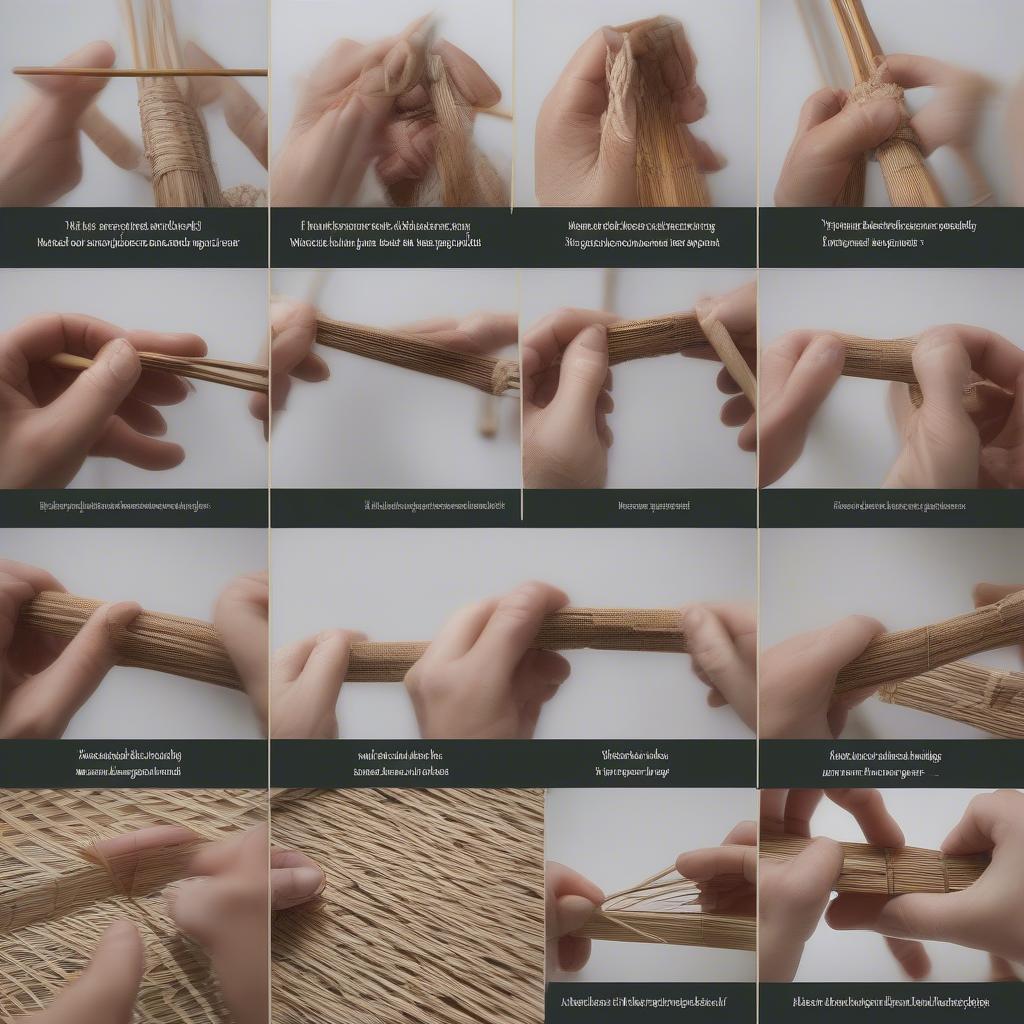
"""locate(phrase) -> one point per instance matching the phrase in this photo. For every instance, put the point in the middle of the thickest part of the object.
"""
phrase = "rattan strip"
(891, 657)
(57, 903)
(606, 629)
(892, 872)
(715, 931)
(732, 359)
(143, 72)
(244, 376)
(961, 692)
(433, 909)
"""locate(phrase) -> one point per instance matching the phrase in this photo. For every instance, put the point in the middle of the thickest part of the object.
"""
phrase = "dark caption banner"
(726, 508)
(163, 508)
(119, 237)
(698, 1003)
(840, 237)
(456, 764)
(919, 1003)
(812, 764)
(133, 764)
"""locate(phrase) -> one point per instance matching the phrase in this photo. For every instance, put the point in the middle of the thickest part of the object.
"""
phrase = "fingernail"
(828, 349)
(594, 338)
(309, 881)
(613, 39)
(123, 614)
(395, 63)
(123, 361)
(885, 113)
(120, 931)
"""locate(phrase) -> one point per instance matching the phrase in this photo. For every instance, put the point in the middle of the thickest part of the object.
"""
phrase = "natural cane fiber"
(216, 371)
(653, 336)
(57, 897)
(891, 872)
(912, 652)
(433, 909)
(606, 629)
(983, 697)
(732, 359)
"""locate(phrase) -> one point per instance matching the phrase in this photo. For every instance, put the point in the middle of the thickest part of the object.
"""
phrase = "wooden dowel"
(144, 72)
(733, 360)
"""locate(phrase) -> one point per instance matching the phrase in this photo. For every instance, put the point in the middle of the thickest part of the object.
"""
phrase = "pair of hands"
(944, 445)
(988, 915)
(222, 904)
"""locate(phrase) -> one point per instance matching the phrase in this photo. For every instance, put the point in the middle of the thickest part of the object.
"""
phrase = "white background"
(223, 444)
(376, 425)
(43, 32)
(403, 584)
(852, 441)
(666, 418)
(181, 572)
(926, 816)
(723, 35)
(618, 837)
(302, 31)
(984, 37)
(903, 578)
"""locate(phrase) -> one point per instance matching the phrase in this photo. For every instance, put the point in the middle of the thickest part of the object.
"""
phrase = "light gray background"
(180, 571)
(375, 425)
(223, 444)
(852, 441)
(723, 35)
(926, 816)
(666, 419)
(984, 37)
(403, 584)
(618, 837)
(903, 578)
(43, 32)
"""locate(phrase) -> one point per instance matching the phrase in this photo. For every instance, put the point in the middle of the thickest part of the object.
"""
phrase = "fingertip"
(122, 614)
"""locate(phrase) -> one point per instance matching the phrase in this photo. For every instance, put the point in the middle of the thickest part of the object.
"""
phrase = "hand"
(832, 134)
(241, 618)
(798, 677)
(722, 643)
(797, 374)
(726, 875)
(737, 312)
(480, 678)
(292, 337)
(106, 991)
(566, 400)
(306, 680)
(40, 146)
(989, 593)
(585, 150)
(987, 915)
(570, 900)
(52, 419)
(45, 680)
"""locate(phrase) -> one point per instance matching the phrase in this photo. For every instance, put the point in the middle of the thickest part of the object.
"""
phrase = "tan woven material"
(606, 629)
(216, 371)
(433, 910)
(666, 908)
(983, 697)
(875, 869)
(485, 373)
(912, 652)
(163, 643)
(57, 898)
(653, 336)
(667, 172)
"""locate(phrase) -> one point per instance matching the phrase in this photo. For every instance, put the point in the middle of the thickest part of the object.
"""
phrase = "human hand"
(305, 680)
(241, 617)
(737, 312)
(722, 643)
(293, 327)
(45, 680)
(52, 419)
(797, 374)
(988, 593)
(987, 915)
(570, 900)
(586, 149)
(798, 678)
(480, 678)
(566, 386)
(40, 145)
(105, 992)
(726, 875)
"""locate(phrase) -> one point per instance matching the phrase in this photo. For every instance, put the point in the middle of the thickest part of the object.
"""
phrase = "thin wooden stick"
(725, 348)
(144, 72)
(214, 371)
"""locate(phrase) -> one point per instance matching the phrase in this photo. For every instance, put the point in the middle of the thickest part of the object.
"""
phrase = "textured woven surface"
(433, 910)
(653, 336)
(216, 371)
(55, 904)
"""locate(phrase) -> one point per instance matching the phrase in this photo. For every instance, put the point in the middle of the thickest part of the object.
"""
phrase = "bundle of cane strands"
(885, 871)
(666, 908)
(433, 908)
(58, 893)
(985, 698)
(244, 376)
(892, 657)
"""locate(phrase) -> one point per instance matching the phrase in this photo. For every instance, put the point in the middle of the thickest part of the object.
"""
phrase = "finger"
(913, 70)
(460, 631)
(712, 647)
(736, 412)
(911, 956)
(705, 865)
(14, 593)
(291, 886)
(744, 833)
(71, 95)
(834, 647)
(943, 370)
(736, 310)
(477, 88)
(805, 388)
(572, 913)
(122, 850)
(325, 669)
(818, 108)
(799, 809)
(937, 916)
(120, 441)
(868, 808)
(990, 593)
(517, 619)
(38, 579)
(538, 676)
(977, 830)
(582, 375)
(543, 344)
(142, 417)
(582, 87)
(856, 129)
(573, 952)
(726, 383)
(241, 617)
(293, 328)
(312, 369)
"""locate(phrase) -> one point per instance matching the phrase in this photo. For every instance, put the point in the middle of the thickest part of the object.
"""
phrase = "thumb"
(572, 912)
(618, 128)
(325, 669)
(943, 370)
(582, 374)
(857, 128)
(105, 993)
(78, 417)
(71, 95)
(944, 917)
